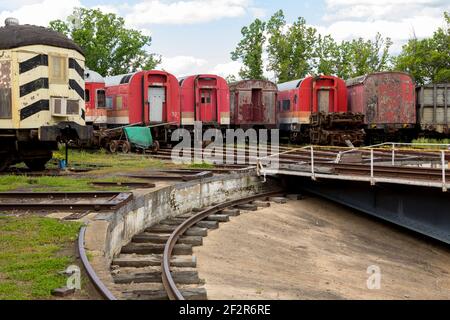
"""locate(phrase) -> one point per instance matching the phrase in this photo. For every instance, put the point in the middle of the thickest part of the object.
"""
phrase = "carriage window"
(58, 70)
(87, 95)
(101, 99)
(286, 105)
(109, 102)
(5, 90)
(119, 103)
(206, 97)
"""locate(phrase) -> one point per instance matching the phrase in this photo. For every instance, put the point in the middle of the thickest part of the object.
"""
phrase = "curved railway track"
(158, 264)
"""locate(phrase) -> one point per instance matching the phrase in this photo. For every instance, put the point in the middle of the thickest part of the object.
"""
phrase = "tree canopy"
(110, 47)
(250, 50)
(428, 60)
(296, 50)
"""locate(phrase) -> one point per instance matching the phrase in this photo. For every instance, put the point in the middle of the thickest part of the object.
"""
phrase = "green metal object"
(140, 137)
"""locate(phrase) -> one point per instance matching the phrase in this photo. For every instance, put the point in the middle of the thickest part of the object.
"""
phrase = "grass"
(30, 256)
(426, 140)
(56, 184)
(108, 170)
(202, 165)
(105, 159)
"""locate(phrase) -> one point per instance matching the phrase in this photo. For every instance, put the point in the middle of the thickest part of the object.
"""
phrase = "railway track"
(97, 201)
(249, 154)
(158, 264)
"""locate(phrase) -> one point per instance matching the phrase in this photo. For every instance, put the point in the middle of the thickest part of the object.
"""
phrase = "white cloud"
(226, 69)
(107, 8)
(183, 65)
(186, 12)
(398, 19)
(42, 12)
(259, 13)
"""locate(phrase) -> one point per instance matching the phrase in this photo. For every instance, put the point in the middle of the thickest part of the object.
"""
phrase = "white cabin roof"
(92, 76)
(115, 80)
(289, 85)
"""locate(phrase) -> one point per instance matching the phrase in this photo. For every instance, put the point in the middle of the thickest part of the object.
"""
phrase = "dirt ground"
(315, 249)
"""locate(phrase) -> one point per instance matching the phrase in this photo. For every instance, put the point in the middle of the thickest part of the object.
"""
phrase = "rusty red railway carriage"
(205, 98)
(314, 109)
(95, 94)
(144, 97)
(253, 104)
(387, 100)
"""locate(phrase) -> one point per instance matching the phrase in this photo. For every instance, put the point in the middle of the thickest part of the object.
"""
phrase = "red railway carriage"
(314, 110)
(95, 99)
(144, 97)
(253, 103)
(205, 98)
(387, 99)
(298, 99)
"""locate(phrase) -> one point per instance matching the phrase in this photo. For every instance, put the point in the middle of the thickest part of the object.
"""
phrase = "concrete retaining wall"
(108, 232)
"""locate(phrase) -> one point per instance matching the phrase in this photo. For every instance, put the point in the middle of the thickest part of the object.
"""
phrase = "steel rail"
(168, 282)
(99, 285)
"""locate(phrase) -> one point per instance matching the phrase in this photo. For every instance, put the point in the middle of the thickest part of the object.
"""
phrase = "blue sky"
(198, 35)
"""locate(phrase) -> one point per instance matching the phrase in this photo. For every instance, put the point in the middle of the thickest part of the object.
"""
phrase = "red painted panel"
(253, 103)
(205, 98)
(386, 98)
(298, 99)
(131, 103)
(95, 113)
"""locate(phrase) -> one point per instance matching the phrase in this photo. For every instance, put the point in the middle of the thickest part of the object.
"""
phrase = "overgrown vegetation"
(417, 143)
(110, 47)
(105, 167)
(30, 256)
(428, 60)
(295, 50)
(201, 165)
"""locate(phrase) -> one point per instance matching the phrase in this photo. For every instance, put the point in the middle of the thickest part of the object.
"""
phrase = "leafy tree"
(110, 48)
(250, 50)
(359, 57)
(278, 47)
(231, 78)
(290, 48)
(428, 60)
(327, 55)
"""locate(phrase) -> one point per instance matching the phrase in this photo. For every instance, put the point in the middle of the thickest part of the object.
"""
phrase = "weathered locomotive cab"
(314, 110)
(253, 104)
(387, 99)
(433, 109)
(95, 93)
(205, 98)
(41, 94)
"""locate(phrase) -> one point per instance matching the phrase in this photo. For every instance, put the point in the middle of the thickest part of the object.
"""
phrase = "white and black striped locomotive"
(41, 94)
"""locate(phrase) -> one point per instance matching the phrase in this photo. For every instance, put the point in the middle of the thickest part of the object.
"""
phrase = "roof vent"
(11, 22)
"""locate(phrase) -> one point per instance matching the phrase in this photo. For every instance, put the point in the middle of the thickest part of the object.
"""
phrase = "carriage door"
(257, 105)
(323, 100)
(208, 105)
(156, 99)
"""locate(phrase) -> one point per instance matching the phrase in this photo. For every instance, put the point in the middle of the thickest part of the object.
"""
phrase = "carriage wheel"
(155, 147)
(126, 147)
(4, 163)
(37, 164)
(113, 146)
